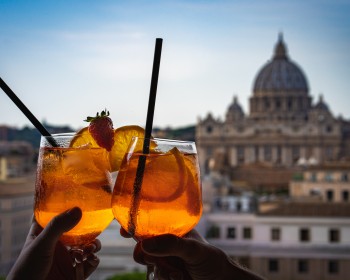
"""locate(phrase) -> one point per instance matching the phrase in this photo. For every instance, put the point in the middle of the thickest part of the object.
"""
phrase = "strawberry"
(101, 129)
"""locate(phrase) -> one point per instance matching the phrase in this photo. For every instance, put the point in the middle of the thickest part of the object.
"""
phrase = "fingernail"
(149, 244)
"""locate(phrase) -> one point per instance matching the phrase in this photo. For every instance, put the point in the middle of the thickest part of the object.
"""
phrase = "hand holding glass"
(69, 177)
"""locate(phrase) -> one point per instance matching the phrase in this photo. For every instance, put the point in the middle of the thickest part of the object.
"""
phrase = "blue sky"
(70, 59)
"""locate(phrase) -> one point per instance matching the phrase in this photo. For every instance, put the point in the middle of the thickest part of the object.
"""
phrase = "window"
(345, 195)
(209, 151)
(213, 232)
(247, 233)
(329, 195)
(295, 153)
(267, 153)
(279, 154)
(209, 129)
(328, 177)
(334, 235)
(240, 154)
(275, 234)
(329, 152)
(231, 232)
(304, 235)
(273, 265)
(267, 103)
(329, 128)
(256, 153)
(277, 104)
(303, 266)
(218, 203)
(333, 267)
(344, 177)
(313, 177)
(239, 206)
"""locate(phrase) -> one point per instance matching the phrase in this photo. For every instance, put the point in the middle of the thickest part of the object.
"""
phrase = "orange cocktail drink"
(169, 200)
(73, 176)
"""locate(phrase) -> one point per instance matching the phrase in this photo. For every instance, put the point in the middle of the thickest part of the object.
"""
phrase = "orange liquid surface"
(74, 177)
(170, 200)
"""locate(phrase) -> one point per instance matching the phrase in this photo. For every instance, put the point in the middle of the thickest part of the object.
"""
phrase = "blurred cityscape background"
(274, 154)
(275, 179)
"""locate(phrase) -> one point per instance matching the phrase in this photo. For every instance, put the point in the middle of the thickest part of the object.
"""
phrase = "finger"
(90, 265)
(92, 247)
(169, 245)
(139, 254)
(34, 230)
(193, 234)
(98, 245)
(58, 225)
(124, 233)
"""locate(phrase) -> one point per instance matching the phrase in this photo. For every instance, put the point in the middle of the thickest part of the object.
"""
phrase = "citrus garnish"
(194, 206)
(83, 138)
(122, 139)
(165, 176)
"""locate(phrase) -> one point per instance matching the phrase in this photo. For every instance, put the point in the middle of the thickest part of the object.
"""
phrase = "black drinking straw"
(135, 202)
(26, 112)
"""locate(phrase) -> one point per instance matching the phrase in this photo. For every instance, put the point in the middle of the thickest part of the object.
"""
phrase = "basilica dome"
(280, 91)
(280, 74)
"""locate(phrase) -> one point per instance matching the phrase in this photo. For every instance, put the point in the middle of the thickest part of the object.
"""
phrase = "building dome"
(280, 74)
(321, 105)
(280, 90)
(235, 111)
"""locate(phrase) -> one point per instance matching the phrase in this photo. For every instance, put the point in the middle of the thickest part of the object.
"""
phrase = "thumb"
(58, 225)
(170, 245)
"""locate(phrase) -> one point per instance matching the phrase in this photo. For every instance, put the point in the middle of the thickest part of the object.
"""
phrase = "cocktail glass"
(158, 192)
(69, 177)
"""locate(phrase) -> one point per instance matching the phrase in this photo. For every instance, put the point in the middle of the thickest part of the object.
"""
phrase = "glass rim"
(165, 140)
(64, 134)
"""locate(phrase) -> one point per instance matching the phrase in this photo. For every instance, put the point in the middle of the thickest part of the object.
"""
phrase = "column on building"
(249, 154)
(274, 153)
(287, 156)
(261, 153)
(233, 156)
(318, 153)
(3, 168)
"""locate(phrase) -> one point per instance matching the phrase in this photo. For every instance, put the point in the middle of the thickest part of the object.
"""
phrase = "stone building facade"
(328, 182)
(282, 128)
(291, 241)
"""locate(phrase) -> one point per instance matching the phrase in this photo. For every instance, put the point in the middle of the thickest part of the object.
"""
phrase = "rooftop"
(305, 209)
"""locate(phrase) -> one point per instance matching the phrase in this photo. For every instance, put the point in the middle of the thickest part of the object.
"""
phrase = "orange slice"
(83, 138)
(165, 177)
(194, 195)
(122, 139)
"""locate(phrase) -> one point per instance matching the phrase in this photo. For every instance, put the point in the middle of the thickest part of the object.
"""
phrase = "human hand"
(44, 257)
(189, 258)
